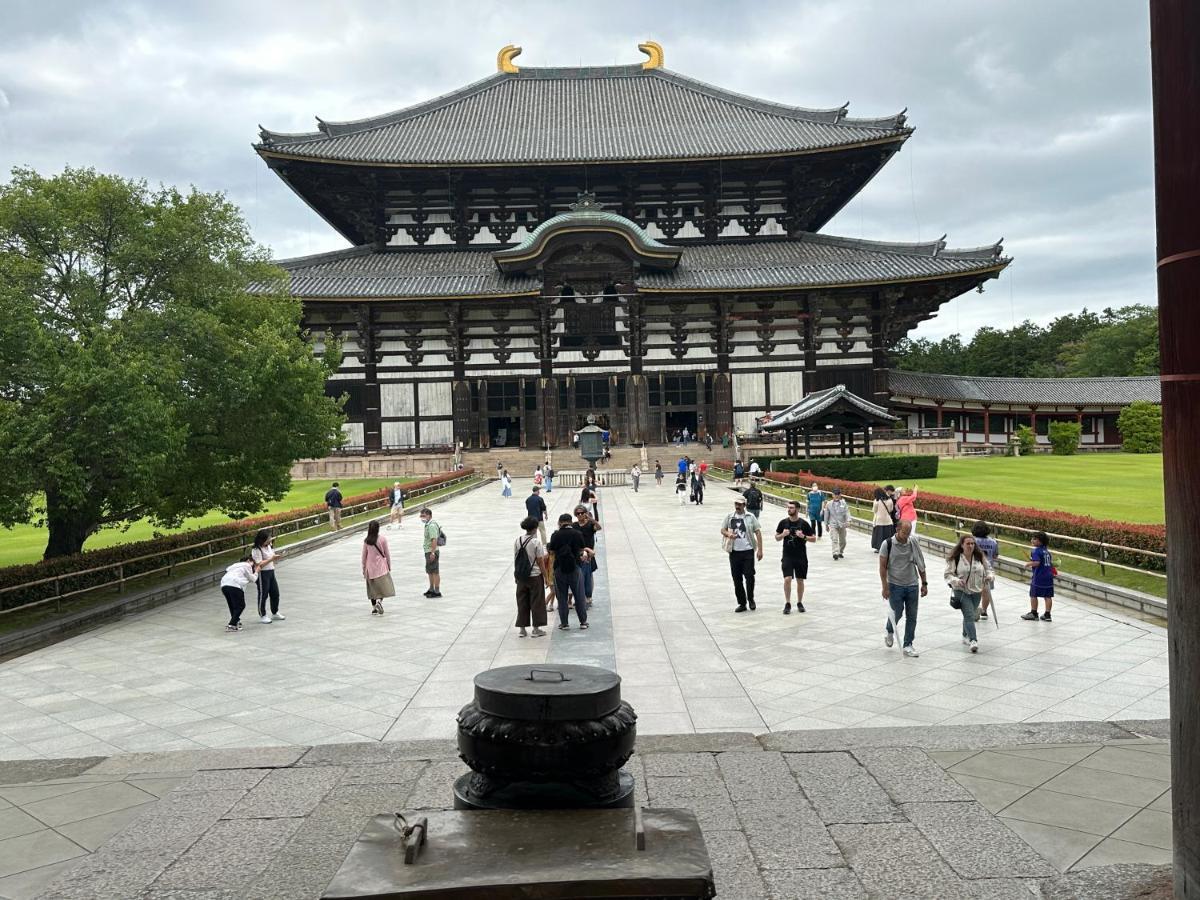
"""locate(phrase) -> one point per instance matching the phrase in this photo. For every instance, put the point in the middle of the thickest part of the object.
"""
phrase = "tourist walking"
(431, 543)
(755, 469)
(587, 527)
(333, 502)
(739, 472)
(685, 436)
(397, 501)
(505, 484)
(981, 531)
(264, 556)
(795, 534)
(906, 507)
(883, 526)
(377, 568)
(538, 478)
(682, 465)
(588, 496)
(816, 500)
(635, 475)
(548, 474)
(1041, 561)
(837, 520)
(743, 542)
(236, 577)
(967, 574)
(708, 442)
(658, 474)
(536, 507)
(698, 487)
(754, 500)
(901, 569)
(531, 571)
(681, 488)
(566, 544)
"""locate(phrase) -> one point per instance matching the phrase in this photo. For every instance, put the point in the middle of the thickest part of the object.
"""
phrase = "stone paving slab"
(191, 844)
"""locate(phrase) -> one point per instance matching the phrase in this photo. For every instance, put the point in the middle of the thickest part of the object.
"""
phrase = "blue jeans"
(903, 600)
(573, 582)
(970, 608)
(587, 579)
(549, 485)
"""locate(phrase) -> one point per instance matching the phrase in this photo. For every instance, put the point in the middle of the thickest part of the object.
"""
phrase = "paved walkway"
(835, 815)
(171, 679)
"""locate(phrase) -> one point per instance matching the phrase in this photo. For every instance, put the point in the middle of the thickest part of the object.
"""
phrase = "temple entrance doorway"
(674, 421)
(504, 431)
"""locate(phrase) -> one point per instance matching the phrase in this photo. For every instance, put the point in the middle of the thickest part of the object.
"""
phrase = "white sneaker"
(974, 646)
(888, 640)
(965, 641)
(266, 620)
(278, 617)
(910, 650)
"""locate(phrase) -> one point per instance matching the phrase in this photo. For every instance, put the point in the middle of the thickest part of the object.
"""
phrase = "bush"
(1064, 437)
(884, 467)
(89, 569)
(1140, 424)
(1026, 439)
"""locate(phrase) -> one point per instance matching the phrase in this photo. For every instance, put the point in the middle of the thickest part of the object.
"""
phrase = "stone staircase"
(521, 462)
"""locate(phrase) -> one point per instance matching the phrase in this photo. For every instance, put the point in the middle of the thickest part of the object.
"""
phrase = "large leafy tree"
(138, 374)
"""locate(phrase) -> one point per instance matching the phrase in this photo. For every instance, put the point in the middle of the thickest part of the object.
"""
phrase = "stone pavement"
(854, 813)
(171, 679)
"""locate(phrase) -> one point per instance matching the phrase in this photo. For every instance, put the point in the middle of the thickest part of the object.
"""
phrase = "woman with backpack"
(967, 572)
(377, 568)
(531, 570)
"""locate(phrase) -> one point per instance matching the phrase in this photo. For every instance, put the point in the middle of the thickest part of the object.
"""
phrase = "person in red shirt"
(906, 507)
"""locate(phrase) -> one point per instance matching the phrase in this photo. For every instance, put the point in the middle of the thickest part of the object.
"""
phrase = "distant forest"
(1113, 342)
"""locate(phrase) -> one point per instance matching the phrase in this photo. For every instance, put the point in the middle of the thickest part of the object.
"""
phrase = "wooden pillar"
(1033, 423)
(987, 426)
(866, 440)
(850, 441)
(1175, 74)
(807, 443)
(939, 414)
(842, 444)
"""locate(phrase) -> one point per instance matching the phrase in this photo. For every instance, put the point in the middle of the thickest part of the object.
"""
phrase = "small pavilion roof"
(573, 115)
(818, 405)
(1025, 391)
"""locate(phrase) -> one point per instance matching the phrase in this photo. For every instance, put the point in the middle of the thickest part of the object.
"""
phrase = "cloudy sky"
(1033, 118)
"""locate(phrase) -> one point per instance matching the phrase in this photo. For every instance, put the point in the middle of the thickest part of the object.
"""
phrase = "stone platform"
(1050, 810)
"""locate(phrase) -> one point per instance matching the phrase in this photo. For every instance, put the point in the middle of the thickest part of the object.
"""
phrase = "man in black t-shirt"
(536, 507)
(587, 526)
(795, 533)
(567, 546)
(754, 500)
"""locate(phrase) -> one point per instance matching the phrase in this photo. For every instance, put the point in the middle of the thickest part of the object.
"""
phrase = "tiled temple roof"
(570, 115)
(1025, 391)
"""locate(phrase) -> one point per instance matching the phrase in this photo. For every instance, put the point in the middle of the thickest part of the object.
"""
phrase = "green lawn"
(24, 543)
(1126, 487)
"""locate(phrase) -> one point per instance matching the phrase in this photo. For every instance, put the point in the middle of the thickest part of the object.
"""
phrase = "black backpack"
(523, 565)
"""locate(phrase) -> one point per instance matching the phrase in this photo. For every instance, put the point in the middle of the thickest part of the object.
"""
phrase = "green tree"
(1140, 424)
(1064, 437)
(139, 377)
(1124, 343)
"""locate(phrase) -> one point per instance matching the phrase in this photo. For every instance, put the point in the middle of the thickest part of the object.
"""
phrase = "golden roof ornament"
(504, 59)
(655, 53)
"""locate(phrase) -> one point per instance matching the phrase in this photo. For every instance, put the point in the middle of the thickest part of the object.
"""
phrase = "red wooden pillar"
(1175, 72)
(939, 414)
(1033, 422)
(987, 426)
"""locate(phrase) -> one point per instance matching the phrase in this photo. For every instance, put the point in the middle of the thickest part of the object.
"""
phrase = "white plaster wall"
(750, 390)
(354, 434)
(787, 387)
(398, 434)
(395, 399)
(435, 400)
(441, 432)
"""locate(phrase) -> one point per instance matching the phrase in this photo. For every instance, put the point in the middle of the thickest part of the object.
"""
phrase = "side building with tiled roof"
(982, 412)
(621, 241)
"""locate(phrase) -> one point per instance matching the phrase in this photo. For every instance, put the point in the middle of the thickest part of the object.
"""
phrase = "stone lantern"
(591, 441)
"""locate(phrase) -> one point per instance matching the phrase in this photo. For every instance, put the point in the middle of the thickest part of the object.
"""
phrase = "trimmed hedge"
(884, 467)
(1126, 534)
(229, 536)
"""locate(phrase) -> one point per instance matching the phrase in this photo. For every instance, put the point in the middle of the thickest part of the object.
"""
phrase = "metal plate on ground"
(522, 855)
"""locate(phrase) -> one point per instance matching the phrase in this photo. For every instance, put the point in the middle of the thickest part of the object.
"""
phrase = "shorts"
(795, 567)
(1036, 590)
(431, 565)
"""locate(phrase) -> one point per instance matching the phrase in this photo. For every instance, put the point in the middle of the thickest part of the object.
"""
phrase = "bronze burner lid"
(548, 693)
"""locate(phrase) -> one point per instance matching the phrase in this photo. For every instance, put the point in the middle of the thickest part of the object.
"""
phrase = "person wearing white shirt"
(397, 497)
(236, 577)
(264, 555)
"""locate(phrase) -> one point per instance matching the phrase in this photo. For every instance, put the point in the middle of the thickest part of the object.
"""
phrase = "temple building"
(622, 241)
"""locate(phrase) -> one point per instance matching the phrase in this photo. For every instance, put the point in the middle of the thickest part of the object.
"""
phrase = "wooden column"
(987, 426)
(939, 414)
(1033, 423)
(1175, 71)
(807, 443)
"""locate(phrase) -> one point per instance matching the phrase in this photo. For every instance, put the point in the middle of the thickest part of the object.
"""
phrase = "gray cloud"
(1033, 119)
